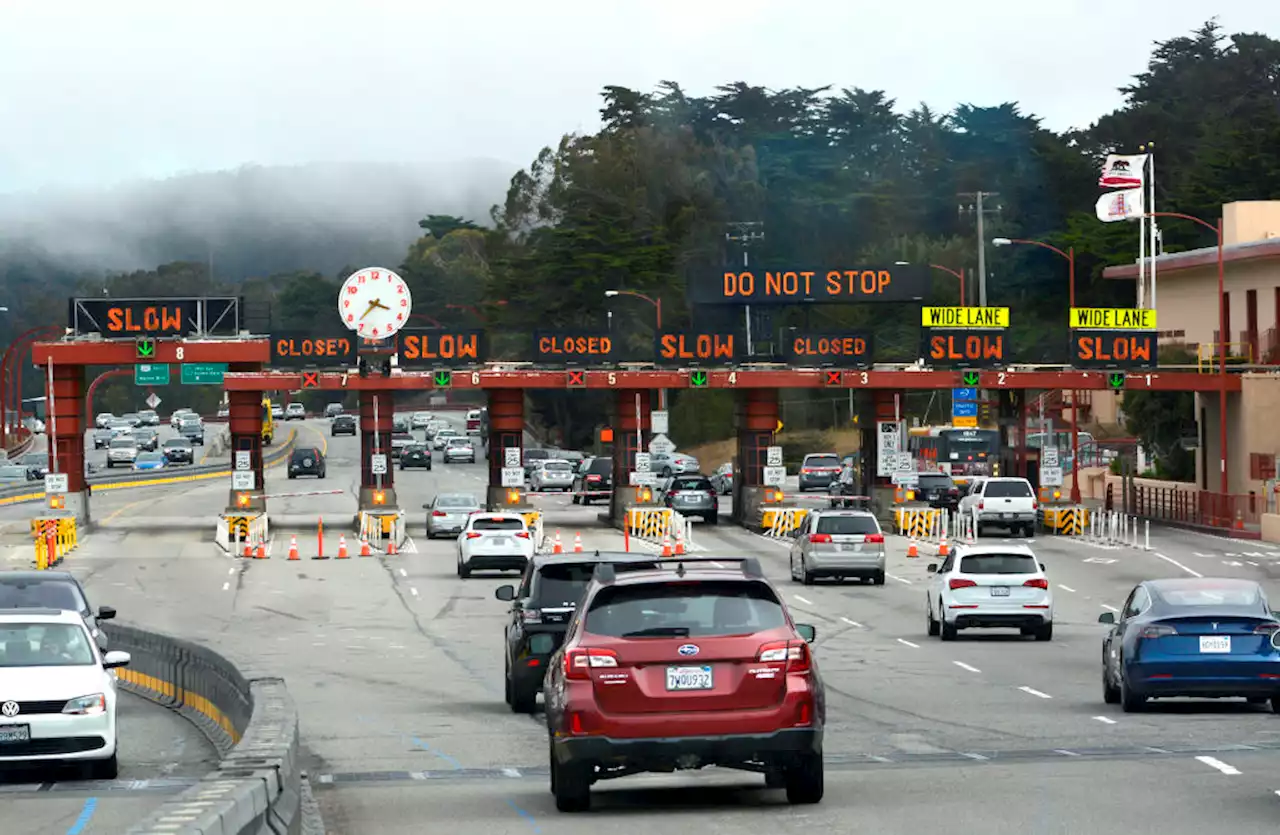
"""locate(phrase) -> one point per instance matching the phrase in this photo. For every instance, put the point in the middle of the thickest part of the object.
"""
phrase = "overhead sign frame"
(178, 316)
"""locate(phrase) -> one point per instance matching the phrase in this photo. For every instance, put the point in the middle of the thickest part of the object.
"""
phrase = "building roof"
(1206, 257)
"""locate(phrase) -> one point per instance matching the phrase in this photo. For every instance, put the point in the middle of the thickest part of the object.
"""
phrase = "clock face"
(375, 303)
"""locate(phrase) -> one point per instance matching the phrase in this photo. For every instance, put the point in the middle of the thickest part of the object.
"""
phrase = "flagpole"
(1142, 247)
(1151, 207)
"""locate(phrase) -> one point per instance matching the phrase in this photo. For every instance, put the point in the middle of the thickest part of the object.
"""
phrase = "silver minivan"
(838, 544)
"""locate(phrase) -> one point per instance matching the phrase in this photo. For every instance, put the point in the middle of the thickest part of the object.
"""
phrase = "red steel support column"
(632, 431)
(67, 412)
(506, 431)
(757, 421)
(244, 422)
(375, 438)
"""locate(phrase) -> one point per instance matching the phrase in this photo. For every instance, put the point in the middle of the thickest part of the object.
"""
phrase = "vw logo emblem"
(685, 649)
(11, 708)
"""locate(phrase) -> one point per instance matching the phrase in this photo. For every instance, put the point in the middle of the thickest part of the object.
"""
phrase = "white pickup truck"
(1002, 503)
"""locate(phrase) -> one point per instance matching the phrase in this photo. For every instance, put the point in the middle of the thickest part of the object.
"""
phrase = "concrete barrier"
(259, 785)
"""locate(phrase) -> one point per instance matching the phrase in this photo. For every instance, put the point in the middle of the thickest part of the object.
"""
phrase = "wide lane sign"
(1113, 319)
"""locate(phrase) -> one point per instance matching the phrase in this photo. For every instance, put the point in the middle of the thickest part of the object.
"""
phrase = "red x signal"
(576, 378)
(311, 379)
(835, 378)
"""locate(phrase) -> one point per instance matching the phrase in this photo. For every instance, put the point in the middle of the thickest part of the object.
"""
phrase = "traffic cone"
(342, 547)
(365, 550)
(666, 545)
(913, 550)
(391, 547)
(262, 550)
(943, 550)
(248, 549)
(293, 547)
(577, 543)
(679, 542)
(557, 547)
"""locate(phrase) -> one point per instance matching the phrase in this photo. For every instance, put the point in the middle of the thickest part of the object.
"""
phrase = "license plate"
(498, 541)
(999, 591)
(15, 733)
(1215, 643)
(689, 678)
(1006, 515)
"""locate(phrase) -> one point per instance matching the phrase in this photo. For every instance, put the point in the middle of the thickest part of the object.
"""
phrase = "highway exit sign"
(203, 373)
(151, 375)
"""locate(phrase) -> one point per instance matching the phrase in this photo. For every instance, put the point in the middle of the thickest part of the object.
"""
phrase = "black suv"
(52, 590)
(306, 461)
(342, 425)
(593, 480)
(415, 455)
(541, 610)
(938, 490)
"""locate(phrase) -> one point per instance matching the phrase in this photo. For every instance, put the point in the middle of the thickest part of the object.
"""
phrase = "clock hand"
(373, 304)
(378, 302)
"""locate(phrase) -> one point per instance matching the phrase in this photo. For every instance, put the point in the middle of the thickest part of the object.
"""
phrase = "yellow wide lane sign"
(1112, 319)
(964, 317)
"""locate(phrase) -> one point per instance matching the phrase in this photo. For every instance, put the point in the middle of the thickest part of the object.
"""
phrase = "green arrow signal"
(1115, 380)
(698, 379)
(971, 378)
(443, 379)
(146, 348)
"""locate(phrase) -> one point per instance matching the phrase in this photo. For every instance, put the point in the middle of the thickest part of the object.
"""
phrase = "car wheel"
(576, 499)
(1045, 632)
(666, 472)
(932, 626)
(1275, 704)
(522, 701)
(571, 785)
(806, 576)
(713, 519)
(1110, 693)
(1130, 702)
(804, 780)
(949, 630)
(506, 677)
(1257, 700)
(107, 769)
(464, 571)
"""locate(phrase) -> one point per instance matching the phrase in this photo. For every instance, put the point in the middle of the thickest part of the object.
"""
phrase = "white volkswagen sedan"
(494, 542)
(57, 693)
(989, 586)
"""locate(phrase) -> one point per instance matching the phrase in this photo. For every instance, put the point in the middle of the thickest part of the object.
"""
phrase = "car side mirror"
(116, 658)
(1042, 568)
(807, 632)
(933, 568)
(1107, 617)
(507, 593)
(426, 506)
(106, 612)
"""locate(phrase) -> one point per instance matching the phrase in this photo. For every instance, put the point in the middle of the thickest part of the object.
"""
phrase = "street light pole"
(959, 274)
(657, 310)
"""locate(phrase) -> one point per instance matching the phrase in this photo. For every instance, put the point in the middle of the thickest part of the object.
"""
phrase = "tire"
(1110, 693)
(878, 579)
(506, 678)
(804, 780)
(571, 785)
(577, 499)
(1129, 702)
(713, 519)
(292, 476)
(1257, 700)
(949, 630)
(107, 769)
(463, 571)
(666, 472)
(522, 701)
(806, 576)
(1045, 633)
(1275, 704)
(932, 626)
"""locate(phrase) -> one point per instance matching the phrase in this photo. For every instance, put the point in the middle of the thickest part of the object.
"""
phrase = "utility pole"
(748, 233)
(979, 208)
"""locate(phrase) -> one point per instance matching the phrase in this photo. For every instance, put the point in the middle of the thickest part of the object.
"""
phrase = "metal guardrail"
(258, 786)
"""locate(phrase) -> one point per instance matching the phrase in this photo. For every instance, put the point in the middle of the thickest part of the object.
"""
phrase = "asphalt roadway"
(396, 666)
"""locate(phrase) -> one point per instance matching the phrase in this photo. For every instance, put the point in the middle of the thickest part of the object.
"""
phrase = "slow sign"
(116, 318)
(1124, 349)
(696, 347)
(835, 284)
(559, 347)
(300, 348)
(851, 349)
(434, 347)
(986, 348)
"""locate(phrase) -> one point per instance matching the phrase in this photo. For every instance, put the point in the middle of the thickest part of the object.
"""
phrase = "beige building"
(1186, 294)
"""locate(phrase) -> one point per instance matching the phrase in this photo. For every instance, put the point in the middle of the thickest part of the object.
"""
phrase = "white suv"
(122, 452)
(1002, 503)
(494, 542)
(989, 586)
(59, 700)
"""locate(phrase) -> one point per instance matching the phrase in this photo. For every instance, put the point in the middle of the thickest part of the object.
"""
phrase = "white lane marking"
(1205, 556)
(851, 622)
(1219, 764)
(899, 579)
(1066, 588)
(1065, 752)
(226, 585)
(965, 666)
(1172, 561)
(404, 573)
(973, 756)
(908, 644)
(1106, 720)
(231, 570)
(803, 600)
(1254, 564)
(1109, 608)
(413, 591)
(1035, 693)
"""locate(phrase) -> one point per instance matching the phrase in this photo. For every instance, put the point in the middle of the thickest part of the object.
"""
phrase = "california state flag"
(1125, 204)
(1122, 171)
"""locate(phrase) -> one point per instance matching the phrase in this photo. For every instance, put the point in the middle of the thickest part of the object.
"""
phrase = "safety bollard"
(1146, 535)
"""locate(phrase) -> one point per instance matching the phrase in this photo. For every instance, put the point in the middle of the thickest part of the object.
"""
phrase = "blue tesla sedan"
(1203, 638)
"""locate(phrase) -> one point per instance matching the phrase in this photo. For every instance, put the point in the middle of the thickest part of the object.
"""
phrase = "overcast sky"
(94, 92)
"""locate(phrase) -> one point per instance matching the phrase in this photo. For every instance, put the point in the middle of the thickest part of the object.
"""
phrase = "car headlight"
(86, 705)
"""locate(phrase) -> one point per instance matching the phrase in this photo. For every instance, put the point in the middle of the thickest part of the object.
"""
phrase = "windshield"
(35, 459)
(600, 466)
(13, 472)
(1007, 490)
(847, 525)
(44, 645)
(459, 501)
(999, 564)
(492, 524)
(694, 610)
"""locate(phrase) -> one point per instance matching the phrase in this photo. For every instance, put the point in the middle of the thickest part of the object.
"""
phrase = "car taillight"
(1034, 506)
(805, 470)
(578, 661)
(981, 505)
(820, 537)
(875, 537)
(522, 534)
(593, 478)
(1037, 583)
(794, 653)
(961, 584)
(1266, 628)
(438, 513)
(472, 535)
(1158, 631)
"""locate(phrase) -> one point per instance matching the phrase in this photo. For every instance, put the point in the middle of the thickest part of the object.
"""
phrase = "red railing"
(1170, 504)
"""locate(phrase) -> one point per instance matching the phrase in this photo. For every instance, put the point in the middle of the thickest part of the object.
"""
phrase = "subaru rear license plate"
(689, 678)
(15, 733)
(1215, 643)
(999, 591)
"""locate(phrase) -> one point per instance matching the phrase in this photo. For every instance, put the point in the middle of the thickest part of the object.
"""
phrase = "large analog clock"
(375, 303)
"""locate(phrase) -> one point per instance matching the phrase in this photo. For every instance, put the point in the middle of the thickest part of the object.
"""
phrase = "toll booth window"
(847, 525)
(498, 525)
(1007, 490)
(563, 585)
(691, 610)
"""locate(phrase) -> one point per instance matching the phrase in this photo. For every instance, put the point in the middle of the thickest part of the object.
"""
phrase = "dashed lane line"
(1066, 588)
(899, 579)
(907, 643)
(413, 590)
(1033, 692)
(1172, 561)
(1109, 608)
(803, 600)
(226, 586)
(1106, 720)
(1214, 762)
(965, 666)
(851, 622)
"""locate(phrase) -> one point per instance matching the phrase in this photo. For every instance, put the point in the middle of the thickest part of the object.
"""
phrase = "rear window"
(456, 501)
(562, 585)
(691, 484)
(685, 609)
(459, 442)
(1007, 490)
(829, 461)
(558, 467)
(536, 454)
(498, 525)
(1216, 596)
(42, 595)
(936, 482)
(303, 454)
(600, 466)
(999, 564)
(847, 525)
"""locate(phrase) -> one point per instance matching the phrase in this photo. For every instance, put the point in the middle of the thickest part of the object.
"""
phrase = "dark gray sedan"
(692, 495)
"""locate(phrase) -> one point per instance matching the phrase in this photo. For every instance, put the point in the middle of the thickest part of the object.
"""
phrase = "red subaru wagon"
(690, 665)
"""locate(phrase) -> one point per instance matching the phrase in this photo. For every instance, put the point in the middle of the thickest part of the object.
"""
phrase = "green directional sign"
(1115, 380)
(203, 373)
(147, 349)
(151, 375)
(698, 379)
(971, 378)
(443, 379)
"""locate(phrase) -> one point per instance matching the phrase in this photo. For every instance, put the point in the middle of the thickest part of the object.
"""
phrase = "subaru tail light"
(578, 661)
(794, 653)
(957, 583)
